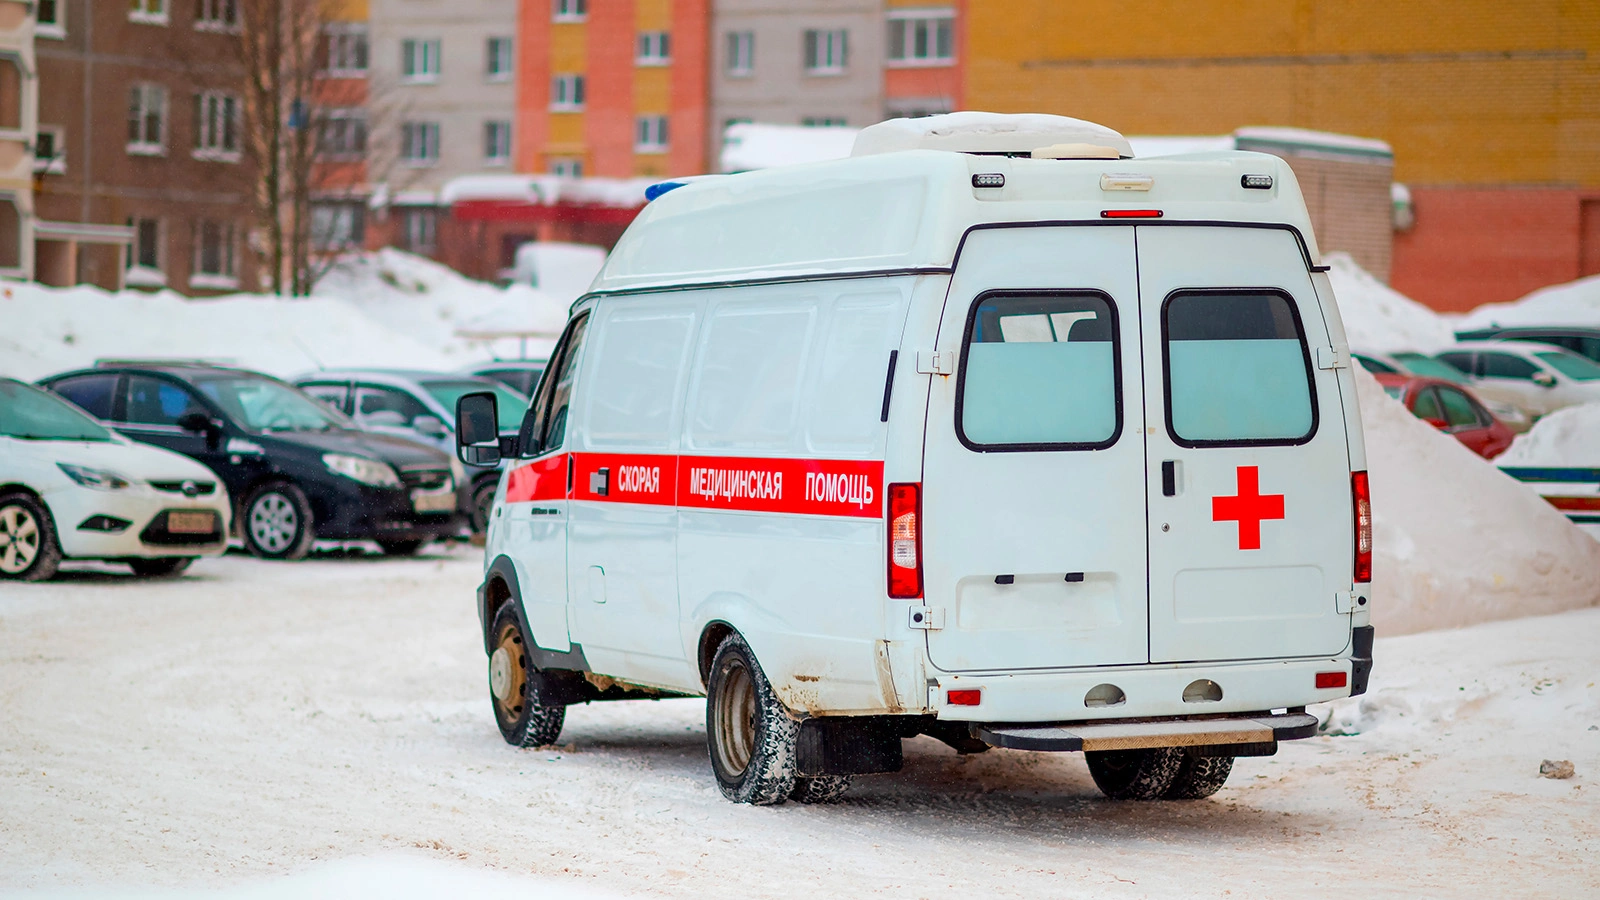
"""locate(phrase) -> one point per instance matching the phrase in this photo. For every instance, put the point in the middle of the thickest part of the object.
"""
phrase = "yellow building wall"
(1467, 92)
(346, 10)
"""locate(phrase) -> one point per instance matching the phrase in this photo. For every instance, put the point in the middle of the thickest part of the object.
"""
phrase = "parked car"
(1538, 378)
(297, 470)
(521, 376)
(420, 405)
(1582, 340)
(71, 488)
(1413, 362)
(1452, 409)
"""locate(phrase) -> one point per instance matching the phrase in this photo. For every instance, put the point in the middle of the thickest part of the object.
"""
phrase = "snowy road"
(254, 719)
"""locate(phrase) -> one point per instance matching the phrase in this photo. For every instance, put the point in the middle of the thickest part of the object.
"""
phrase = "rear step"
(1265, 729)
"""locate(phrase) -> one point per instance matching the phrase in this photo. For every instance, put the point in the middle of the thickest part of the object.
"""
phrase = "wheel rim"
(508, 674)
(735, 716)
(273, 522)
(19, 539)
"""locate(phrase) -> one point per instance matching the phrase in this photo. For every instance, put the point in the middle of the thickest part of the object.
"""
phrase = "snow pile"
(561, 270)
(1378, 318)
(546, 190)
(747, 146)
(1566, 438)
(1573, 303)
(1456, 541)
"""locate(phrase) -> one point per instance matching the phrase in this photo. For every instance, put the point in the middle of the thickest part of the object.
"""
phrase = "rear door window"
(91, 392)
(1462, 361)
(1040, 372)
(1238, 371)
(332, 394)
(1504, 365)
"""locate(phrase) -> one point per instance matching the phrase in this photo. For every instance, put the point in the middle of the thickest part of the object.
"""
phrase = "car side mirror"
(477, 429)
(200, 422)
(429, 425)
(1544, 379)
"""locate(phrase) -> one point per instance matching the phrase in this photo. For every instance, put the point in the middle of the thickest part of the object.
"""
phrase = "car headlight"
(99, 479)
(366, 471)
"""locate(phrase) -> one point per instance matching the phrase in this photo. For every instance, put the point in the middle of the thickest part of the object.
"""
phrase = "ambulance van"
(990, 432)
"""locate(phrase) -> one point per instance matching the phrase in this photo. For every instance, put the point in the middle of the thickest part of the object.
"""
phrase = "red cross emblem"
(1249, 507)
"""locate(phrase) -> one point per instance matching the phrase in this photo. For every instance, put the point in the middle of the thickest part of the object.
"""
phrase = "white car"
(71, 488)
(1414, 362)
(1539, 378)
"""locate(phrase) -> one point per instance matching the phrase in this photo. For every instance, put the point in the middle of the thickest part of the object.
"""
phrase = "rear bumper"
(1244, 732)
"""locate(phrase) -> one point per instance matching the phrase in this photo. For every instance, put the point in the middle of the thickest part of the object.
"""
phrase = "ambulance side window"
(1040, 372)
(546, 424)
(640, 357)
(1238, 371)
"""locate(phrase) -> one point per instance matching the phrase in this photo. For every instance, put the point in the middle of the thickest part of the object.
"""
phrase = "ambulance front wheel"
(750, 735)
(1135, 774)
(514, 687)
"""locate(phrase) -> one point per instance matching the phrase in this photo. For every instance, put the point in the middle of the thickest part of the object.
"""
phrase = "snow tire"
(514, 687)
(29, 550)
(1135, 774)
(276, 522)
(1199, 776)
(819, 788)
(750, 735)
(161, 566)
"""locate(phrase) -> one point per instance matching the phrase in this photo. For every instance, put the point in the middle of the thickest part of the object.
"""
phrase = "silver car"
(420, 405)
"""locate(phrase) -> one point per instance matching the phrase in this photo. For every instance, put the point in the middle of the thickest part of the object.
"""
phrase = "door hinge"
(1333, 357)
(1344, 602)
(926, 618)
(936, 362)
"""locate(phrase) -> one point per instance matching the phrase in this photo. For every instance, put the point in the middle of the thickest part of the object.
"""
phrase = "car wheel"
(400, 548)
(513, 689)
(1199, 776)
(751, 736)
(161, 567)
(277, 522)
(28, 547)
(1135, 774)
(819, 788)
(483, 504)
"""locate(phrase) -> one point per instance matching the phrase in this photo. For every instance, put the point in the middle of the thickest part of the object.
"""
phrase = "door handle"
(1169, 478)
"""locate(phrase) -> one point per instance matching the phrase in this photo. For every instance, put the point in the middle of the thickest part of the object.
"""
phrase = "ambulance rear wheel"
(514, 689)
(1199, 776)
(1135, 774)
(750, 735)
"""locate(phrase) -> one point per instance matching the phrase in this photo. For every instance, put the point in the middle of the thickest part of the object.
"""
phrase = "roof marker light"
(1125, 182)
(1256, 182)
(989, 180)
(1130, 213)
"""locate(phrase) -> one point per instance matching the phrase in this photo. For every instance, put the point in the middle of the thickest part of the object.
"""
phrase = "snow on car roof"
(984, 132)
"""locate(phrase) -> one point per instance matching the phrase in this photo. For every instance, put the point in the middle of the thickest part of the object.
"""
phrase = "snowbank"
(1456, 541)
(1573, 303)
(752, 145)
(1378, 318)
(1566, 438)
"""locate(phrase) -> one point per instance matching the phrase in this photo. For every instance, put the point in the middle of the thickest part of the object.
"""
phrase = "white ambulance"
(990, 432)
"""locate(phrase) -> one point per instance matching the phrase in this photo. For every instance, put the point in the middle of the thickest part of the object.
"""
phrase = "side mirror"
(477, 429)
(1544, 379)
(200, 422)
(429, 425)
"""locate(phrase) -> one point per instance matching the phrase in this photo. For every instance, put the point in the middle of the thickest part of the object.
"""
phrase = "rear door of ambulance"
(1250, 527)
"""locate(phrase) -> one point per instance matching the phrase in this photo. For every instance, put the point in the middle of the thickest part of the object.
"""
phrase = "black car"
(296, 470)
(1580, 339)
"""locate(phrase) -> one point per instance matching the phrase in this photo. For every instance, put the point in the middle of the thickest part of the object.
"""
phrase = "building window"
(570, 10)
(345, 50)
(11, 92)
(497, 59)
(343, 134)
(826, 51)
(741, 53)
(216, 132)
(214, 255)
(567, 167)
(650, 134)
(419, 60)
(419, 229)
(497, 143)
(10, 232)
(337, 226)
(823, 121)
(50, 150)
(419, 143)
(146, 250)
(50, 18)
(655, 48)
(216, 15)
(150, 12)
(566, 93)
(147, 120)
(922, 38)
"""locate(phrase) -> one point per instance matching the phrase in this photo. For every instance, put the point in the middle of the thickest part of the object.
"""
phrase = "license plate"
(441, 502)
(191, 522)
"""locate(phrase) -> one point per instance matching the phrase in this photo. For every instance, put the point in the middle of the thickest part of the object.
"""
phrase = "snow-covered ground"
(322, 729)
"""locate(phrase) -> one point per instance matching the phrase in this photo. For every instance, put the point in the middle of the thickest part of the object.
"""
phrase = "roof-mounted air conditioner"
(996, 134)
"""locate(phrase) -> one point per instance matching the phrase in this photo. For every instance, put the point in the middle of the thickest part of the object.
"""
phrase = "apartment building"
(19, 95)
(141, 175)
(442, 99)
(340, 186)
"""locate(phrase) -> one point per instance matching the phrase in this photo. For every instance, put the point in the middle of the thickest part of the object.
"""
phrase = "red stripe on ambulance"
(816, 487)
(627, 478)
(541, 479)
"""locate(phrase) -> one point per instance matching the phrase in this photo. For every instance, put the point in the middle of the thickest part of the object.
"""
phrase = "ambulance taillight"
(1362, 495)
(905, 541)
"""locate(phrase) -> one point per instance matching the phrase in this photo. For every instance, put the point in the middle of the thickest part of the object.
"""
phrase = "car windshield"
(1578, 368)
(511, 404)
(31, 414)
(1427, 366)
(262, 404)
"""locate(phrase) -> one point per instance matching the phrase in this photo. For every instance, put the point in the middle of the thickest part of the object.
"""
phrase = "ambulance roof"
(908, 210)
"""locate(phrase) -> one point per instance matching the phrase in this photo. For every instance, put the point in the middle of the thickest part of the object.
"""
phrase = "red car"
(1452, 409)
